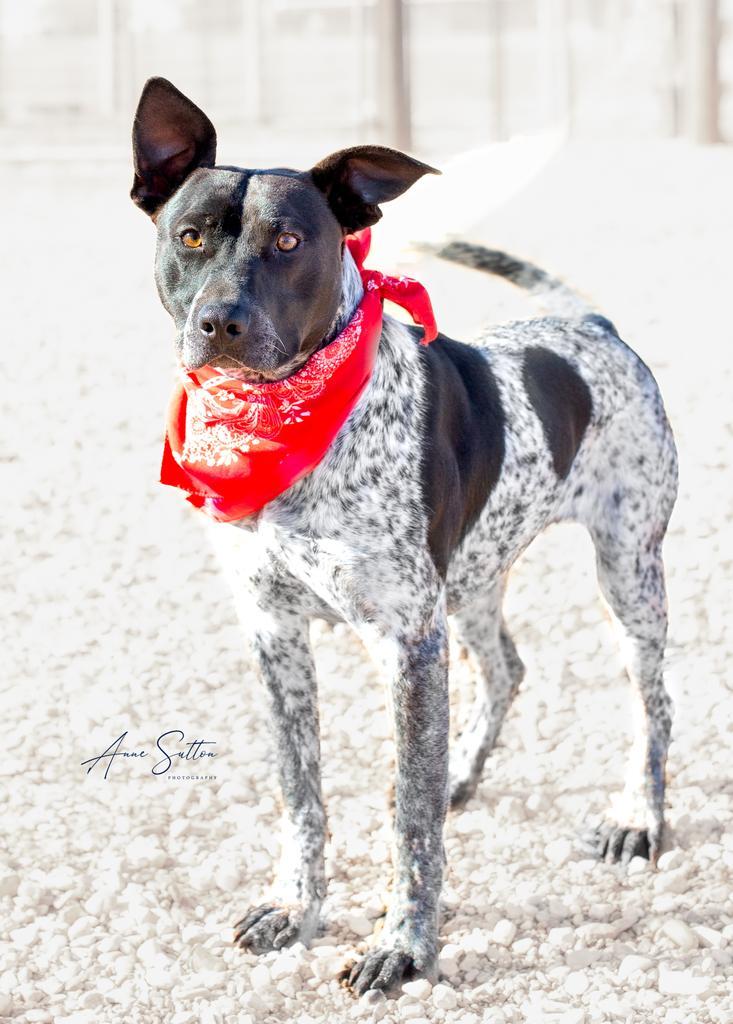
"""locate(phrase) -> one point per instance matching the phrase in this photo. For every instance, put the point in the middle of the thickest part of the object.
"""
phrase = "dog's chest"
(347, 541)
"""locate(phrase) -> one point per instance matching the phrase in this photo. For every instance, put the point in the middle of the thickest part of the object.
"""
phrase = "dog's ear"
(355, 181)
(170, 138)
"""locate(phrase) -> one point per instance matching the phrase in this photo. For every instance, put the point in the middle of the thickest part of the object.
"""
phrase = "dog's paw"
(383, 968)
(616, 844)
(274, 926)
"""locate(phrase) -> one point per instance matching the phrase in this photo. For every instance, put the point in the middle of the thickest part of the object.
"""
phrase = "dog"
(454, 459)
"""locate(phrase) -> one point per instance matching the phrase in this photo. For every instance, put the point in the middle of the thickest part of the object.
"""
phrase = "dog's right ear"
(170, 138)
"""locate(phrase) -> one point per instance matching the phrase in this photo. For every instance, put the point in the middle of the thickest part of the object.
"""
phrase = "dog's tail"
(552, 294)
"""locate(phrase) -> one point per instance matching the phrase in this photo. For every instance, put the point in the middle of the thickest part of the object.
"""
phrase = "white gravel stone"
(443, 997)
(411, 1011)
(677, 881)
(559, 852)
(574, 1016)
(563, 938)
(684, 983)
(709, 936)
(670, 860)
(638, 866)
(9, 882)
(576, 983)
(419, 989)
(632, 963)
(680, 934)
(359, 925)
(284, 966)
(449, 958)
(260, 978)
(288, 986)
(228, 878)
(203, 959)
(504, 932)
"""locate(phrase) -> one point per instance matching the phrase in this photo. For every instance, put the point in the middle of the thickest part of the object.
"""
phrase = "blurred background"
(437, 76)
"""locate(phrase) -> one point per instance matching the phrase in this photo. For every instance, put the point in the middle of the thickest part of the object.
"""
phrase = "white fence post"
(702, 89)
(253, 43)
(556, 73)
(393, 77)
(496, 76)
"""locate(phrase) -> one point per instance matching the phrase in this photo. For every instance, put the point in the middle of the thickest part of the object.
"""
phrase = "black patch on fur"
(463, 442)
(562, 401)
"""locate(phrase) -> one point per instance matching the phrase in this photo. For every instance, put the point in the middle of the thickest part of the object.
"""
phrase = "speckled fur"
(349, 543)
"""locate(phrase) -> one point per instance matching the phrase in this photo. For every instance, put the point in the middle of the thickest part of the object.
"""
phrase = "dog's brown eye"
(286, 242)
(192, 239)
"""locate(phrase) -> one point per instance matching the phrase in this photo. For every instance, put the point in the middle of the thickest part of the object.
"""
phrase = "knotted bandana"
(234, 446)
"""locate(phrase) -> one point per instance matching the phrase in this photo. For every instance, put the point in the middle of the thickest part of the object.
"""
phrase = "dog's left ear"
(355, 181)
(171, 137)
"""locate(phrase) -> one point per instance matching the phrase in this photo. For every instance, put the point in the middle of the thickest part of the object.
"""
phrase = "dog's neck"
(352, 291)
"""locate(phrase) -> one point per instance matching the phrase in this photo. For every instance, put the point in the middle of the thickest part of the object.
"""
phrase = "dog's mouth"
(236, 370)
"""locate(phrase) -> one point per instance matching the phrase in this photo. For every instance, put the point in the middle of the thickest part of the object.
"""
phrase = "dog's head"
(250, 263)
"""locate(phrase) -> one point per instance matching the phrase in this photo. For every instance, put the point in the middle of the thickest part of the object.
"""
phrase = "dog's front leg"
(408, 944)
(282, 652)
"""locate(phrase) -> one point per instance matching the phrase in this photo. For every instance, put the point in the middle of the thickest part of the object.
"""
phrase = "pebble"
(444, 998)
(579, 958)
(283, 967)
(260, 978)
(91, 1001)
(680, 934)
(522, 946)
(9, 882)
(673, 881)
(419, 989)
(287, 987)
(682, 983)
(359, 925)
(410, 1011)
(510, 808)
(504, 932)
(709, 936)
(632, 963)
(559, 852)
(576, 983)
(638, 866)
(563, 938)
(670, 860)
(228, 878)
(25, 936)
(202, 959)
(575, 1016)
(449, 958)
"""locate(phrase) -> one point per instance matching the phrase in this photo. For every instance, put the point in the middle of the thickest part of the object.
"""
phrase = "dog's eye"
(192, 239)
(287, 241)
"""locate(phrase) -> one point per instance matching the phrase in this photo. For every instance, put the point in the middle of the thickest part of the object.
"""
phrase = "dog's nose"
(221, 324)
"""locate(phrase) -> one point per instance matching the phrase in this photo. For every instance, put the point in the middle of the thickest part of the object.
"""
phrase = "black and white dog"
(455, 457)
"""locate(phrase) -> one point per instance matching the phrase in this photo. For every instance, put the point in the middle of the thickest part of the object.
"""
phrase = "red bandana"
(235, 446)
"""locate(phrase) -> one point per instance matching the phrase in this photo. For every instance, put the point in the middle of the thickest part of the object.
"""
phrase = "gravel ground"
(117, 895)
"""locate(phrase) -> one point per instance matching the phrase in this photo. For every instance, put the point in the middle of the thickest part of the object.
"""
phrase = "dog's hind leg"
(499, 670)
(631, 577)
